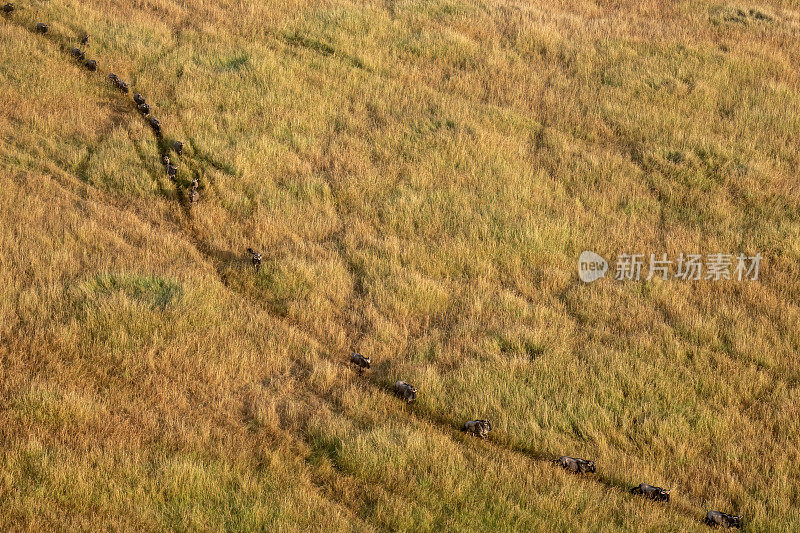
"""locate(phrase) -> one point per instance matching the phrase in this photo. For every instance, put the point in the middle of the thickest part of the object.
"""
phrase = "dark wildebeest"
(85, 40)
(718, 518)
(479, 428)
(144, 109)
(256, 258)
(41, 27)
(113, 77)
(8, 8)
(654, 493)
(155, 124)
(575, 465)
(193, 194)
(360, 361)
(165, 159)
(172, 171)
(91, 65)
(178, 147)
(138, 98)
(122, 86)
(77, 54)
(405, 391)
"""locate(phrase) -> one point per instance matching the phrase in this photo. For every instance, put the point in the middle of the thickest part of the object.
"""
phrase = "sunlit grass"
(421, 177)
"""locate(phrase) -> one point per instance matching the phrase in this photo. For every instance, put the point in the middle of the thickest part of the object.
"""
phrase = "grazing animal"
(155, 124)
(256, 258)
(138, 98)
(360, 361)
(77, 54)
(718, 518)
(172, 171)
(85, 40)
(8, 8)
(122, 86)
(113, 77)
(479, 428)
(649, 491)
(165, 159)
(41, 27)
(575, 465)
(405, 391)
(178, 147)
(91, 65)
(144, 109)
(193, 194)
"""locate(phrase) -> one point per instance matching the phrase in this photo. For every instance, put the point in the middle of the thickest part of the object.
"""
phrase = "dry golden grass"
(422, 176)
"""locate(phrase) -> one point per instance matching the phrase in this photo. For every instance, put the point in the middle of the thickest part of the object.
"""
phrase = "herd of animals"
(481, 428)
(404, 390)
(142, 106)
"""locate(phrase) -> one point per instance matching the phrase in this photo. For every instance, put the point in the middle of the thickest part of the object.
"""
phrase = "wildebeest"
(165, 159)
(91, 65)
(405, 391)
(144, 109)
(77, 54)
(178, 147)
(113, 77)
(718, 518)
(479, 428)
(256, 259)
(41, 27)
(138, 98)
(361, 362)
(172, 171)
(193, 194)
(155, 124)
(649, 491)
(8, 8)
(122, 86)
(85, 39)
(573, 464)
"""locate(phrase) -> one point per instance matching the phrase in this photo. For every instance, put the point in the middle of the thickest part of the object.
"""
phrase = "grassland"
(422, 176)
